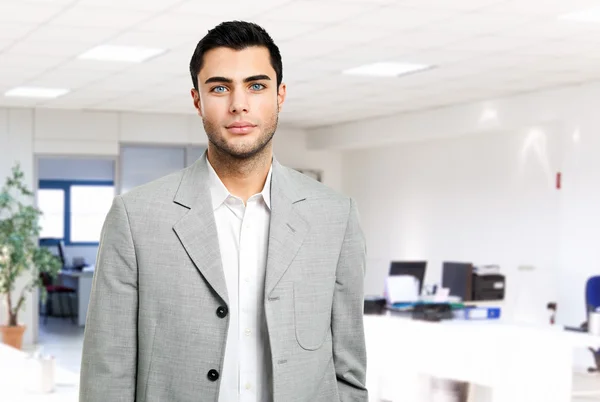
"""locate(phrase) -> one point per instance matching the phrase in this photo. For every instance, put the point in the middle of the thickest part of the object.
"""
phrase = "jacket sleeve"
(109, 361)
(349, 353)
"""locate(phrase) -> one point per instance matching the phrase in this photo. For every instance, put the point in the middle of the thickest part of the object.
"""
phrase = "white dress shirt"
(243, 232)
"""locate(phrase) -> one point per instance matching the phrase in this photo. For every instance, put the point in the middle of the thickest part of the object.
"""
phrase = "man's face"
(238, 100)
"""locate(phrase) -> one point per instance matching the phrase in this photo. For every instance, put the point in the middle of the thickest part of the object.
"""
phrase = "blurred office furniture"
(24, 379)
(488, 287)
(59, 301)
(60, 293)
(592, 303)
(77, 278)
(413, 268)
(471, 283)
(500, 359)
(374, 305)
(81, 280)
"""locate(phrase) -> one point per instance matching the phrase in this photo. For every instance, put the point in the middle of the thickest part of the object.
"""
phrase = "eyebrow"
(246, 80)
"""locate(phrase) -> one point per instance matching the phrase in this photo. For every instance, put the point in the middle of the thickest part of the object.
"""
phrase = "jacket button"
(213, 375)
(222, 312)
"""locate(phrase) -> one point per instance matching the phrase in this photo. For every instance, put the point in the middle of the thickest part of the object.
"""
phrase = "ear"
(197, 102)
(281, 93)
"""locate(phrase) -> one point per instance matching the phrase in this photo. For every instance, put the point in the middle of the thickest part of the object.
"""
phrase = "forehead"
(237, 64)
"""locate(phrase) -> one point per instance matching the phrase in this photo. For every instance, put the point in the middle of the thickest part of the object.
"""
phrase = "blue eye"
(257, 87)
(219, 89)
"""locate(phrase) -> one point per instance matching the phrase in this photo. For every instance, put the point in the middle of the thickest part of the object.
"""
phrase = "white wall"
(487, 199)
(16, 145)
(463, 183)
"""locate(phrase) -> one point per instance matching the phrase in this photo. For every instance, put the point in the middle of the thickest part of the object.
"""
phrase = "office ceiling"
(481, 49)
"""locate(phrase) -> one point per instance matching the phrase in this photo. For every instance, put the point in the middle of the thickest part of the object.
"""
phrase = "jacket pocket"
(312, 311)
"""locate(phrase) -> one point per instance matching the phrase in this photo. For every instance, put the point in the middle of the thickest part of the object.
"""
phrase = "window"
(89, 206)
(52, 204)
(74, 211)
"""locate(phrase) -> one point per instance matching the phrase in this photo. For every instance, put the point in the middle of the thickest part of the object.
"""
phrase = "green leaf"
(19, 250)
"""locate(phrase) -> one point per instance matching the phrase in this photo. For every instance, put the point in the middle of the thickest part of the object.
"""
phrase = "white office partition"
(143, 164)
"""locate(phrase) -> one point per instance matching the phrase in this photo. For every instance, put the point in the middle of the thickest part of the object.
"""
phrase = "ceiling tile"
(482, 24)
(149, 39)
(50, 48)
(103, 17)
(423, 39)
(25, 62)
(344, 34)
(14, 12)
(56, 33)
(235, 8)
(550, 8)
(10, 30)
(461, 5)
(71, 80)
(328, 12)
(440, 57)
(14, 78)
(137, 5)
(398, 18)
(284, 31)
(178, 23)
(480, 49)
(92, 66)
(370, 53)
(492, 44)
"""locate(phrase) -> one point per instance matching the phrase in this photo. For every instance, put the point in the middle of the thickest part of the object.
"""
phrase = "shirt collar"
(219, 192)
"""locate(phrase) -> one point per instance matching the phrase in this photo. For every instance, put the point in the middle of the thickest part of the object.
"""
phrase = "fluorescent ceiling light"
(35, 92)
(130, 54)
(588, 15)
(387, 69)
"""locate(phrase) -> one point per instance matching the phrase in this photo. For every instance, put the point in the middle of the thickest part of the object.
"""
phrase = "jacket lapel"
(287, 229)
(197, 229)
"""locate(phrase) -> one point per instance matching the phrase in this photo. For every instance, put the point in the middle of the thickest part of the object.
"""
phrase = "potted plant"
(20, 253)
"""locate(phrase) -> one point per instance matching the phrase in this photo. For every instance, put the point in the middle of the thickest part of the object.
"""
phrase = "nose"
(239, 102)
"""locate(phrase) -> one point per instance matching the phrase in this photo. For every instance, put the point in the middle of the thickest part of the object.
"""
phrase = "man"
(236, 279)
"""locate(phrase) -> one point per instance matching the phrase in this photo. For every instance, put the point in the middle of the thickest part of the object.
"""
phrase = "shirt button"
(213, 375)
(248, 386)
(248, 332)
(247, 279)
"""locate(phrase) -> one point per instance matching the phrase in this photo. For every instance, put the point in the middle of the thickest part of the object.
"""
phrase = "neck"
(242, 177)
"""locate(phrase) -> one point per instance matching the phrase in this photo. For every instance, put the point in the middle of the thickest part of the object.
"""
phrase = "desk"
(82, 282)
(15, 369)
(516, 363)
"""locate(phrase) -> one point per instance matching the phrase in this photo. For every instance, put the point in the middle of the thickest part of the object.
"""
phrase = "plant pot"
(13, 336)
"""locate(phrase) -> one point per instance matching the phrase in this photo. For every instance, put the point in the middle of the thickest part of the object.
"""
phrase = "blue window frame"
(66, 186)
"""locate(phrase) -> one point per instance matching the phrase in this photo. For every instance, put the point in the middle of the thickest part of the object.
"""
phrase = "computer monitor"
(412, 268)
(458, 277)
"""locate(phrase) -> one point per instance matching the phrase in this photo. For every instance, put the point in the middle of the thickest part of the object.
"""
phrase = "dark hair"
(235, 35)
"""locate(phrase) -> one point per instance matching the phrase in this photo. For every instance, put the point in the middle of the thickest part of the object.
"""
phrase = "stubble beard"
(234, 154)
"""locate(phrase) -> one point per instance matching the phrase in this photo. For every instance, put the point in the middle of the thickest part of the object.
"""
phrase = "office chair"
(592, 302)
(61, 292)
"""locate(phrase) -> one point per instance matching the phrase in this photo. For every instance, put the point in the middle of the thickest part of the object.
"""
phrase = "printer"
(487, 286)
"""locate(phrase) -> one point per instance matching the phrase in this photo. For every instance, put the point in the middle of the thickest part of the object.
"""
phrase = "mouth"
(241, 128)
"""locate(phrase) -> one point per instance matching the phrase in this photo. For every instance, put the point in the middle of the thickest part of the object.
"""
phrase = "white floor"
(64, 340)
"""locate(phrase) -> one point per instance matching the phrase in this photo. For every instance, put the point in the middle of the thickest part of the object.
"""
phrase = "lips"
(241, 127)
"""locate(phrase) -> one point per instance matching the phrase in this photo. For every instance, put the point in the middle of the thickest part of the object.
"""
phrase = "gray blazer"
(157, 319)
